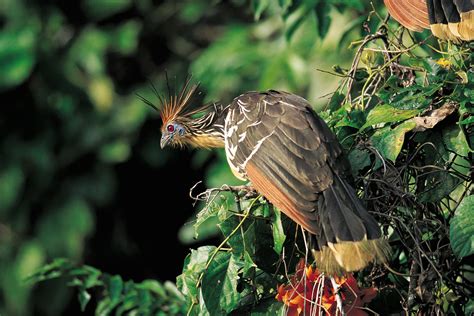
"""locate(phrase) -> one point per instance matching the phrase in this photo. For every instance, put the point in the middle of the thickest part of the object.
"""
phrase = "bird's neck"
(208, 130)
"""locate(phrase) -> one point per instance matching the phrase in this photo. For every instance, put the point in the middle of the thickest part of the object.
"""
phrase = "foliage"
(402, 110)
(148, 297)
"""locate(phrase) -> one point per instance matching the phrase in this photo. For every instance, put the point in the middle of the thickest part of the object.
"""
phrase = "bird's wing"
(276, 141)
(447, 19)
(412, 14)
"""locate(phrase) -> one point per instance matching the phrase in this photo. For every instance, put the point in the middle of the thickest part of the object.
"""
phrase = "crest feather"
(178, 105)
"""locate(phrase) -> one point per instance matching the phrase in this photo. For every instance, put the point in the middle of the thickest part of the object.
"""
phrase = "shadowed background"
(81, 172)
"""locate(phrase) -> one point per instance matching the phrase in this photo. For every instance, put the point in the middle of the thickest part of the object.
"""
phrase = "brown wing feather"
(412, 14)
(273, 193)
(276, 141)
(282, 148)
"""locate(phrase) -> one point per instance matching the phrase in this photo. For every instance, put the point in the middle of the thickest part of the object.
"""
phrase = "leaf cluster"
(114, 295)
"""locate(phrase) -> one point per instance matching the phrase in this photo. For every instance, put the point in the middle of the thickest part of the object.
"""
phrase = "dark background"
(81, 172)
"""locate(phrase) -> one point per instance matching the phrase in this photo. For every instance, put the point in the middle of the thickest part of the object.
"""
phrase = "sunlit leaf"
(390, 141)
(278, 232)
(84, 297)
(387, 114)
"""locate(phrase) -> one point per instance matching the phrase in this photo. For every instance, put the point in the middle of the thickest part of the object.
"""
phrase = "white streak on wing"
(241, 103)
(289, 104)
(244, 111)
(255, 123)
(230, 151)
(255, 149)
(231, 130)
(242, 136)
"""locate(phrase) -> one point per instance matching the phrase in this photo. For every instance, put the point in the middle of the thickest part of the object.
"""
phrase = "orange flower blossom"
(311, 293)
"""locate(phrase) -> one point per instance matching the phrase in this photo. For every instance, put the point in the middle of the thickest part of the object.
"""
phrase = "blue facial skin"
(179, 129)
(171, 130)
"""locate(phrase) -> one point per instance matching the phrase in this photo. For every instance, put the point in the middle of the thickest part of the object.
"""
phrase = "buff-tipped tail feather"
(349, 238)
(348, 256)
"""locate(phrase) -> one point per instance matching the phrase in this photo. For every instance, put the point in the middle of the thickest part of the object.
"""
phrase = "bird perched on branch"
(447, 19)
(277, 142)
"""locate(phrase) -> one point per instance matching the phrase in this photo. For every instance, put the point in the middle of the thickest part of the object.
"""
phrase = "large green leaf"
(438, 185)
(387, 114)
(461, 228)
(194, 264)
(390, 141)
(219, 284)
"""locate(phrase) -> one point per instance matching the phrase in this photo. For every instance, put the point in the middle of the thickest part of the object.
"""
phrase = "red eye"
(170, 128)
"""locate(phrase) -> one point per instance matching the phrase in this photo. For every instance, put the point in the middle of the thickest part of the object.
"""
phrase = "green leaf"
(194, 264)
(50, 271)
(115, 287)
(461, 228)
(387, 114)
(469, 307)
(294, 20)
(84, 297)
(278, 232)
(359, 159)
(219, 284)
(336, 101)
(115, 152)
(209, 211)
(17, 56)
(11, 184)
(124, 38)
(322, 10)
(390, 141)
(454, 139)
(438, 186)
(467, 120)
(152, 286)
(284, 4)
(258, 7)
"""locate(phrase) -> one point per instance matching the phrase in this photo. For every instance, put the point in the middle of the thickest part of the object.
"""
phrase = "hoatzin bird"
(276, 141)
(447, 19)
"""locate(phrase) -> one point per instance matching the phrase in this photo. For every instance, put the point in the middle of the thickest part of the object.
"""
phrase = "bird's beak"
(165, 139)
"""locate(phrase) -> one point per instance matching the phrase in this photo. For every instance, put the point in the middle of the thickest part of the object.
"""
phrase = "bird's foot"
(246, 191)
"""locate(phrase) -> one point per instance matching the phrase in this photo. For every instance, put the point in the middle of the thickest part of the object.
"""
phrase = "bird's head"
(185, 124)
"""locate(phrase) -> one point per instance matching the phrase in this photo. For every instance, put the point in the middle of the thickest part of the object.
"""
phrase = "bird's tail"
(450, 19)
(349, 238)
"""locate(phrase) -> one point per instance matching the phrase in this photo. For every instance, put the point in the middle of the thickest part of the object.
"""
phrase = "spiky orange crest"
(177, 105)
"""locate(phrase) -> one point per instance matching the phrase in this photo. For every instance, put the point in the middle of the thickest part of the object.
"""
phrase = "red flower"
(311, 293)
